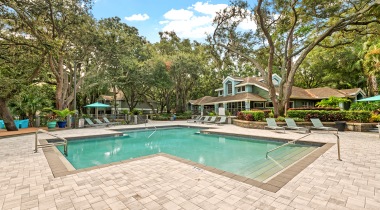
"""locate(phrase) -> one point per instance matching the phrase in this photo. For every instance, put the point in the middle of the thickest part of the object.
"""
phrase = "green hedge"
(330, 116)
(251, 115)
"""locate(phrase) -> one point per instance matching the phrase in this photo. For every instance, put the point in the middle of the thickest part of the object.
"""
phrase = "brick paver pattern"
(27, 182)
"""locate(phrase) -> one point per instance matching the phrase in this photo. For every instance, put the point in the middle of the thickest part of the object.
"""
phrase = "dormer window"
(220, 92)
(241, 89)
(229, 88)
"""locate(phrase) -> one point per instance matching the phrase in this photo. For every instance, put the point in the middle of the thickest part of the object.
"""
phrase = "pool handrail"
(36, 146)
(290, 142)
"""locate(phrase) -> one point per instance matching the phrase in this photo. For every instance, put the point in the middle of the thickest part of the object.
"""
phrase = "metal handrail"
(155, 128)
(290, 142)
(36, 146)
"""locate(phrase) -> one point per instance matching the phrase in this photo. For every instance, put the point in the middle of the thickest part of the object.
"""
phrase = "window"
(235, 107)
(291, 104)
(307, 103)
(229, 88)
(220, 92)
(268, 104)
(258, 105)
(241, 89)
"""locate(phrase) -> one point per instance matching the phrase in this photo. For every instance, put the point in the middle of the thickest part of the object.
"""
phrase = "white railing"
(293, 141)
(64, 143)
(290, 142)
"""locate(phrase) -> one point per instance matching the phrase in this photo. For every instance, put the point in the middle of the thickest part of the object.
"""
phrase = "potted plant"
(51, 121)
(62, 115)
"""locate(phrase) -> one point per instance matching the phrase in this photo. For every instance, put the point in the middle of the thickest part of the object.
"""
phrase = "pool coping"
(274, 184)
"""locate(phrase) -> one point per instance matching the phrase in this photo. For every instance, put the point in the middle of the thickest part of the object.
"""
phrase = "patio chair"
(291, 124)
(194, 119)
(211, 120)
(105, 119)
(317, 124)
(273, 125)
(222, 120)
(92, 124)
(205, 119)
(98, 122)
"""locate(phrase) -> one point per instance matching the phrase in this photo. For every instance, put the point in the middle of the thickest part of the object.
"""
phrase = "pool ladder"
(290, 142)
(36, 145)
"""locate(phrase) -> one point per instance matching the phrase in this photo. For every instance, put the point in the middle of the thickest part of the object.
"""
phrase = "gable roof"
(208, 100)
(297, 92)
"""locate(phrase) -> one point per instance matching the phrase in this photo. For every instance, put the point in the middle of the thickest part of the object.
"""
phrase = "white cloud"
(137, 17)
(248, 24)
(210, 9)
(180, 14)
(195, 22)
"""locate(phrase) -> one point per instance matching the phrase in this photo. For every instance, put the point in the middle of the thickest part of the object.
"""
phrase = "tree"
(371, 65)
(33, 98)
(21, 60)
(288, 31)
(58, 27)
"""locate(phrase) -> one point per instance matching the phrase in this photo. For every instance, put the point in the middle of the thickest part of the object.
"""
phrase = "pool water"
(237, 155)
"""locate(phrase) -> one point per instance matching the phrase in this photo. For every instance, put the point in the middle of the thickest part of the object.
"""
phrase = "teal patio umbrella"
(96, 106)
(373, 98)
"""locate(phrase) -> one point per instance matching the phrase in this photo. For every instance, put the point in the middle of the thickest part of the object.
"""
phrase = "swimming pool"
(242, 156)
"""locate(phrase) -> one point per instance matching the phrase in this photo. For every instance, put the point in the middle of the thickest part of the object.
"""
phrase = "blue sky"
(188, 18)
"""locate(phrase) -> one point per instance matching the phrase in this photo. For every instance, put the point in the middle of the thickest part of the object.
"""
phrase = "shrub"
(240, 116)
(249, 117)
(374, 118)
(332, 102)
(324, 115)
(256, 115)
(360, 106)
(315, 108)
(359, 116)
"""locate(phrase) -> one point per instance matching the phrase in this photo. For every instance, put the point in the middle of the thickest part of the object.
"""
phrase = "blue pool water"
(241, 156)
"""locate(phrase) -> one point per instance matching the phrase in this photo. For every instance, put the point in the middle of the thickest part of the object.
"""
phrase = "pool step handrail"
(290, 142)
(155, 128)
(36, 145)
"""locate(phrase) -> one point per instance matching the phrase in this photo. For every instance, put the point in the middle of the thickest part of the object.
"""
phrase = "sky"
(188, 18)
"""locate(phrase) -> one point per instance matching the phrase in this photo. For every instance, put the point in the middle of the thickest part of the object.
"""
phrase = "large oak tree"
(288, 30)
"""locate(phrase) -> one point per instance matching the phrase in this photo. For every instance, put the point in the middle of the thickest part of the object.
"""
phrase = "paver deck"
(159, 182)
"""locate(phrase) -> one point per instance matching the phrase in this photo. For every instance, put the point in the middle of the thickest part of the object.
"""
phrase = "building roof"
(297, 92)
(352, 91)
(208, 100)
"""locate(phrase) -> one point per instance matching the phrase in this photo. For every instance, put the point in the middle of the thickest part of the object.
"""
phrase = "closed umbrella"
(96, 106)
(373, 98)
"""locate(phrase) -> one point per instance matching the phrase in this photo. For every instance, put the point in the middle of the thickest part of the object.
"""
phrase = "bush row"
(305, 115)
(324, 115)
(251, 115)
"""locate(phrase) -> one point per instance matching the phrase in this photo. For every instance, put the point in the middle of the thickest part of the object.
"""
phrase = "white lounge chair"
(196, 119)
(205, 119)
(92, 124)
(211, 120)
(222, 120)
(273, 125)
(317, 124)
(291, 124)
(110, 123)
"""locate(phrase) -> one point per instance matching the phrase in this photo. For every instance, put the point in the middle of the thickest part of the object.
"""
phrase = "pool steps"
(267, 168)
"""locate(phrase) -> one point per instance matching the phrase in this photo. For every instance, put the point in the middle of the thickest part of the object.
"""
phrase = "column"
(247, 105)
(216, 108)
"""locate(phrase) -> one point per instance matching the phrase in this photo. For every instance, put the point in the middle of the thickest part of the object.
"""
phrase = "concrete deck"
(160, 182)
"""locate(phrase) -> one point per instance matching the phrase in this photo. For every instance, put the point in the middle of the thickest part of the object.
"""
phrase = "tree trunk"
(5, 114)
